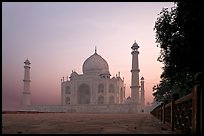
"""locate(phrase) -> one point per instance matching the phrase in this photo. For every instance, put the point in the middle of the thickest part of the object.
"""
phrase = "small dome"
(27, 62)
(135, 46)
(95, 64)
(74, 74)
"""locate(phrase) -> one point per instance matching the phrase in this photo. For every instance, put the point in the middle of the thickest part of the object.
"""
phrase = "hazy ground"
(82, 123)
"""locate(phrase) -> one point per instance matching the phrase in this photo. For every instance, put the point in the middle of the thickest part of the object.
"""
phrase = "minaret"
(142, 95)
(26, 86)
(135, 76)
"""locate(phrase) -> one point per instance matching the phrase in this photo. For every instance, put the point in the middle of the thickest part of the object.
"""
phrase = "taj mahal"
(94, 90)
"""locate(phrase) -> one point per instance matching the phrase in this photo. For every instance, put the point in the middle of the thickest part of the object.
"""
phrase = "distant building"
(92, 91)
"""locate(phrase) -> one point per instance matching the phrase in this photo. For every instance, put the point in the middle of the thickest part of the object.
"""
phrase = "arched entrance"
(111, 100)
(100, 100)
(83, 94)
(67, 100)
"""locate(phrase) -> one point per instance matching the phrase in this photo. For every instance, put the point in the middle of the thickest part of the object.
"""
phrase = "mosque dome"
(95, 64)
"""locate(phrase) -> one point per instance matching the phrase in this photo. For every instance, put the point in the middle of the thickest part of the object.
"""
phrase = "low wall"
(183, 114)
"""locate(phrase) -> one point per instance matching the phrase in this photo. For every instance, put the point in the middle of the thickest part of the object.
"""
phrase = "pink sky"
(58, 37)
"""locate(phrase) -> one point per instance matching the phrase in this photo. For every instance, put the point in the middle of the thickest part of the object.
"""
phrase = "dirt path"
(82, 123)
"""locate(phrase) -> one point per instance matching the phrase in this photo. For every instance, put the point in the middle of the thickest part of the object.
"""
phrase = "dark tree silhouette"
(178, 34)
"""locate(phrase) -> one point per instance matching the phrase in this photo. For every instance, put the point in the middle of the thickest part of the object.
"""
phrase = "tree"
(178, 34)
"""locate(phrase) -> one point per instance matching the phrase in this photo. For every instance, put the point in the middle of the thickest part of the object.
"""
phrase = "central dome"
(95, 64)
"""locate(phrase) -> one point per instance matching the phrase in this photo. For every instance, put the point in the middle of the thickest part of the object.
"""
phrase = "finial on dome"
(95, 49)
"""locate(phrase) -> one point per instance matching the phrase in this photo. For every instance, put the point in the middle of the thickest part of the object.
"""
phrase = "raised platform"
(93, 108)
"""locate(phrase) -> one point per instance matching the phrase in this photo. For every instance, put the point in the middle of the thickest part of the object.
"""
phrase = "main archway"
(83, 94)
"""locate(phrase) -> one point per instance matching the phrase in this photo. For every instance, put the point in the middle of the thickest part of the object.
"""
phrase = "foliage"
(178, 34)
